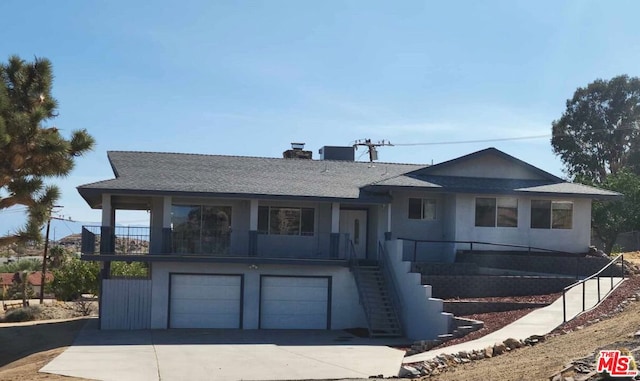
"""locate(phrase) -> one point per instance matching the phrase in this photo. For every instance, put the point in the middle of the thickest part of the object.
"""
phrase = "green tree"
(132, 270)
(21, 288)
(599, 132)
(598, 140)
(57, 256)
(613, 217)
(30, 150)
(21, 265)
(74, 278)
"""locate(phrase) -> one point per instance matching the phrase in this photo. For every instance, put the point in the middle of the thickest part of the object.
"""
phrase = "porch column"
(167, 245)
(387, 234)
(253, 228)
(334, 238)
(107, 233)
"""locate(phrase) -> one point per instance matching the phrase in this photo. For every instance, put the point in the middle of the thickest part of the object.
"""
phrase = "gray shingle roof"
(239, 176)
(152, 172)
(490, 185)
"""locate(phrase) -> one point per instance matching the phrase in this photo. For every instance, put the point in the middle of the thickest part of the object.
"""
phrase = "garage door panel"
(211, 292)
(194, 306)
(204, 321)
(205, 301)
(294, 322)
(298, 293)
(205, 280)
(294, 302)
(301, 307)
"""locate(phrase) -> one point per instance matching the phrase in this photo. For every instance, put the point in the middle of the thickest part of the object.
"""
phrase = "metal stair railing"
(355, 268)
(391, 284)
(619, 258)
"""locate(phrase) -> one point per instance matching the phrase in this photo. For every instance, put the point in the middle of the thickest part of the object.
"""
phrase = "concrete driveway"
(208, 354)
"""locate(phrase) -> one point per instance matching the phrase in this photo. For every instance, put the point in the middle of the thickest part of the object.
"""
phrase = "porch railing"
(471, 244)
(130, 240)
(597, 276)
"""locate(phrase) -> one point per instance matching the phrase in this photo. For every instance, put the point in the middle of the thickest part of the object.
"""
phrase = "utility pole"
(373, 154)
(44, 256)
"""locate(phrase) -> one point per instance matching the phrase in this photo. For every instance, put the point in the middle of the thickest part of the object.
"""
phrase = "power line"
(473, 141)
(597, 130)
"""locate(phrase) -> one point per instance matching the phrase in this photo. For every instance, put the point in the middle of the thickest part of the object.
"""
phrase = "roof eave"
(93, 196)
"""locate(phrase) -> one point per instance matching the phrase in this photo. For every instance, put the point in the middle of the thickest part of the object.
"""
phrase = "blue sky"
(249, 77)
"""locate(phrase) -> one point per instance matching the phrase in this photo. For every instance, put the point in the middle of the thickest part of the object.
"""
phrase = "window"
(507, 212)
(547, 214)
(500, 212)
(422, 209)
(285, 221)
(201, 228)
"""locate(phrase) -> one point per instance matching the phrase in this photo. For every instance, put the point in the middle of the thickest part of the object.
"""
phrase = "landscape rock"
(512, 343)
(499, 349)
(488, 352)
(408, 371)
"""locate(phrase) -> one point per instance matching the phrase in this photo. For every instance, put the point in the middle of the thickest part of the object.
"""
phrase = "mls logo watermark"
(616, 364)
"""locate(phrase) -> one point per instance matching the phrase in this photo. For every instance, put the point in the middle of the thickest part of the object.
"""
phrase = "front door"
(354, 223)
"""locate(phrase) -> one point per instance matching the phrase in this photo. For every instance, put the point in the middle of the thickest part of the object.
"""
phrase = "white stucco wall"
(346, 310)
(422, 315)
(438, 230)
(576, 239)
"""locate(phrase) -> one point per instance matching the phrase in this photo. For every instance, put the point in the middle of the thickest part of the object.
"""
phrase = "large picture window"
(201, 229)
(286, 221)
(422, 209)
(500, 212)
(548, 214)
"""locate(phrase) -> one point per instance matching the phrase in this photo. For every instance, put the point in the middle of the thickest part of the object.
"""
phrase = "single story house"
(296, 243)
(34, 278)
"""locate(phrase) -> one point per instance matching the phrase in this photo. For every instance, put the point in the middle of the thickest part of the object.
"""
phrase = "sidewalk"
(538, 322)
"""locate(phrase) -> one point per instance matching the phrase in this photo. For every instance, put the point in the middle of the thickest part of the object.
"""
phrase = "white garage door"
(294, 303)
(205, 301)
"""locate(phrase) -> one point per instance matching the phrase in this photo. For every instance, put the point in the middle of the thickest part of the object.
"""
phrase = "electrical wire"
(597, 130)
(473, 141)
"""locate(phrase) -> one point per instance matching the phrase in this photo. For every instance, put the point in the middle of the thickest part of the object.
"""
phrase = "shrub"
(21, 314)
(129, 270)
(73, 278)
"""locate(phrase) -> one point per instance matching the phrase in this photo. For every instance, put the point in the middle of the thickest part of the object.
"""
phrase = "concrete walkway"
(538, 322)
(202, 354)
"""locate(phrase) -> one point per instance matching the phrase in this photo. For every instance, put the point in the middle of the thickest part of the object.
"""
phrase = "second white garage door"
(294, 302)
(205, 301)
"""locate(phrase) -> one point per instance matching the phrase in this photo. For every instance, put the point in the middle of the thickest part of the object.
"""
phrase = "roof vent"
(297, 152)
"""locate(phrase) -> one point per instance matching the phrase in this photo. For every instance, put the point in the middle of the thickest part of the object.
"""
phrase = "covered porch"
(234, 228)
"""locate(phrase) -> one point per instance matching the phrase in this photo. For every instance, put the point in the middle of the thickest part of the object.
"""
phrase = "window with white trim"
(549, 214)
(422, 209)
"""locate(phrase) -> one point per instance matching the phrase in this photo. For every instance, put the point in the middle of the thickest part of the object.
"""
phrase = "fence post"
(598, 288)
(415, 250)
(622, 265)
(583, 286)
(564, 307)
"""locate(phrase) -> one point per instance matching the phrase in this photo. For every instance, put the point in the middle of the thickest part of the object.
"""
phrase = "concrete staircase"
(460, 327)
(382, 317)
